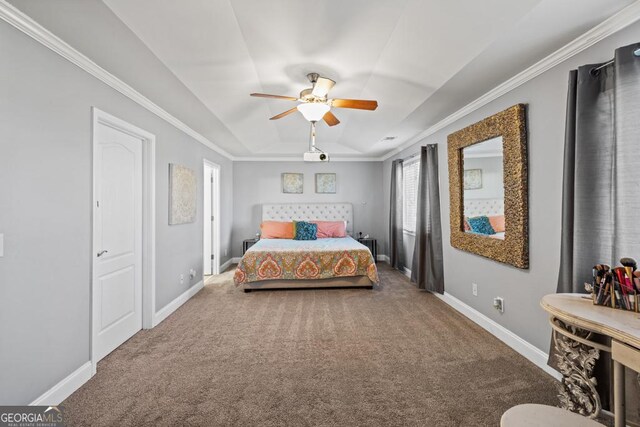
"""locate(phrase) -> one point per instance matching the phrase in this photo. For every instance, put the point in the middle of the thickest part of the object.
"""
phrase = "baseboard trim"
(176, 303)
(383, 258)
(75, 380)
(235, 259)
(406, 272)
(59, 392)
(226, 265)
(525, 348)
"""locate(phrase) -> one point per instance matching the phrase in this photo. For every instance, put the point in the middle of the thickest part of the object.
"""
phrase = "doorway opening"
(211, 213)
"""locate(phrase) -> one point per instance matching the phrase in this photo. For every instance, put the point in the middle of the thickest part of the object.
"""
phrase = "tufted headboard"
(309, 212)
(479, 207)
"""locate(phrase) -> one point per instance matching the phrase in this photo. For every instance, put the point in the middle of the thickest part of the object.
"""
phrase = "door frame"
(215, 210)
(100, 117)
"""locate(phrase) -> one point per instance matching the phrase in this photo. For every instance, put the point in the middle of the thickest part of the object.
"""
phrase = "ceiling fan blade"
(322, 87)
(266, 95)
(330, 119)
(286, 113)
(358, 104)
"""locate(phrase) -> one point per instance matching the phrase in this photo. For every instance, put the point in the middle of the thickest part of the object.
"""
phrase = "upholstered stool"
(533, 415)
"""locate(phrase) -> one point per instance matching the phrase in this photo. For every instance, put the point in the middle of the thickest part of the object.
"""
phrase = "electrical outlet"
(474, 289)
(192, 274)
(182, 279)
(498, 304)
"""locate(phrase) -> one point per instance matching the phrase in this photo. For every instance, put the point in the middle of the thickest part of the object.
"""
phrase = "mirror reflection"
(483, 196)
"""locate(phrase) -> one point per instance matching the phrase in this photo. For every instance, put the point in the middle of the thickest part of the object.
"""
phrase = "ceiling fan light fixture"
(313, 111)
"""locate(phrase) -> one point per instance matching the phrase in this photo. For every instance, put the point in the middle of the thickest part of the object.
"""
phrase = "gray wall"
(45, 212)
(45, 189)
(521, 289)
(256, 183)
(93, 29)
(492, 178)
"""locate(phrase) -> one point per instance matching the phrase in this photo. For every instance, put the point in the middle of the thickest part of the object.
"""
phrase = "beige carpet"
(225, 278)
(338, 357)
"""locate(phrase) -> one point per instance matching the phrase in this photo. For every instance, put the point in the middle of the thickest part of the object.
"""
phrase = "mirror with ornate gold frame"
(507, 209)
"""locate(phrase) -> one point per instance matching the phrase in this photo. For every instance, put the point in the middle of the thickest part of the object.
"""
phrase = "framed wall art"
(326, 183)
(182, 194)
(292, 183)
(472, 179)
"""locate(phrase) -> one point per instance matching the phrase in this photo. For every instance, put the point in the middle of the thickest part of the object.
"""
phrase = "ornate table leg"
(576, 357)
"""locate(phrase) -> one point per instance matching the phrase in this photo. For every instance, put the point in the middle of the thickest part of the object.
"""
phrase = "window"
(411, 171)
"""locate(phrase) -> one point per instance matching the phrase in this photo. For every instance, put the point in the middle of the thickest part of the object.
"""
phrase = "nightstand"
(372, 244)
(247, 243)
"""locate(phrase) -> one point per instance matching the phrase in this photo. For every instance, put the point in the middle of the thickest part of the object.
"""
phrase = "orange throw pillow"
(497, 223)
(276, 230)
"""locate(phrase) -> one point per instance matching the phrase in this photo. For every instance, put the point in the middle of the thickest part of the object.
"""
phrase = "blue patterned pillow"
(305, 231)
(481, 225)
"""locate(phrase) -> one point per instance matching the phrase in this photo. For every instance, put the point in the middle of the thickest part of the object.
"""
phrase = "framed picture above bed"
(292, 183)
(326, 183)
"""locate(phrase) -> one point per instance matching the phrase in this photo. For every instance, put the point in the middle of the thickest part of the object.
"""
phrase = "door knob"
(102, 252)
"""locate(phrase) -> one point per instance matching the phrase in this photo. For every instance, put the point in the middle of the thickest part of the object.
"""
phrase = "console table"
(574, 319)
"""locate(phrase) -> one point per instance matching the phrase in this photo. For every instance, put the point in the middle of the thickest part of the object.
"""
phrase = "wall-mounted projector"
(315, 156)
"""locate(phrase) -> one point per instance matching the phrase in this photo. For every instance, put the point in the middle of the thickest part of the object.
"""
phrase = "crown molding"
(611, 25)
(332, 158)
(28, 26)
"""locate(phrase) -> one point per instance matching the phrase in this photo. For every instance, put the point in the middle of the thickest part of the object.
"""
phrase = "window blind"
(411, 170)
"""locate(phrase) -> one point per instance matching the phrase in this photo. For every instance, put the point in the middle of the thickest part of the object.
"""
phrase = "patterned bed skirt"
(277, 265)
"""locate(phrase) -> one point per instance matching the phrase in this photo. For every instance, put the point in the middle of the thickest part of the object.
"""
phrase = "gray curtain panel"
(396, 251)
(601, 177)
(427, 268)
(601, 182)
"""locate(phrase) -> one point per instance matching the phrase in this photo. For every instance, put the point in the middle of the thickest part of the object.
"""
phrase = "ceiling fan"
(314, 104)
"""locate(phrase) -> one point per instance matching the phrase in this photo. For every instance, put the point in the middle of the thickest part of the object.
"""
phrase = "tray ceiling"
(399, 52)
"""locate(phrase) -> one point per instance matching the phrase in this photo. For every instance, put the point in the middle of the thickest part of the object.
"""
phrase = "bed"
(321, 263)
(485, 207)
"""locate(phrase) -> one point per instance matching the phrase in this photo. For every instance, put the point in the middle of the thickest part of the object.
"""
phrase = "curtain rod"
(416, 154)
(636, 53)
(602, 66)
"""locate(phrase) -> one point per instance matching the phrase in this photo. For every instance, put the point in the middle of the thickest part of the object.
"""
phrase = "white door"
(117, 301)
